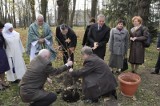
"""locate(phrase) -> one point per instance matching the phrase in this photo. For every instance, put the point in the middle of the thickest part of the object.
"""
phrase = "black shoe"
(15, 82)
(154, 72)
(114, 93)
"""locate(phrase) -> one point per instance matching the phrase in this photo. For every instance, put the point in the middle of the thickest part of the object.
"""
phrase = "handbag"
(125, 64)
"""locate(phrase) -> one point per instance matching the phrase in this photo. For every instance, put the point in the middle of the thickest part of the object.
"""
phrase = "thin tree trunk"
(63, 11)
(14, 16)
(85, 14)
(32, 4)
(72, 14)
(94, 8)
(44, 4)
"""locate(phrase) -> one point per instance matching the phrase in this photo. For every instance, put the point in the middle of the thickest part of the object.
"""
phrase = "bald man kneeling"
(32, 83)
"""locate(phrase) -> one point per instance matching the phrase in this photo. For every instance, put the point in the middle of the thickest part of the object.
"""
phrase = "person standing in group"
(85, 38)
(138, 35)
(157, 67)
(67, 41)
(118, 46)
(98, 36)
(14, 51)
(4, 65)
(39, 37)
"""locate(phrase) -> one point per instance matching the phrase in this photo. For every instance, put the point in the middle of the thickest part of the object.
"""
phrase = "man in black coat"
(67, 41)
(157, 67)
(85, 38)
(98, 79)
(98, 36)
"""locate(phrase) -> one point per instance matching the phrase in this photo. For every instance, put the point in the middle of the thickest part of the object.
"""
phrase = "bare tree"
(94, 8)
(44, 4)
(32, 4)
(72, 14)
(63, 11)
(14, 16)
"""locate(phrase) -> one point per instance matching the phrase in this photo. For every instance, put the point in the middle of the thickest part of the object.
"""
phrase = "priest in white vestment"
(14, 51)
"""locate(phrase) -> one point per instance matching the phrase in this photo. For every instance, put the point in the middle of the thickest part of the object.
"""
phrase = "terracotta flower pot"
(129, 83)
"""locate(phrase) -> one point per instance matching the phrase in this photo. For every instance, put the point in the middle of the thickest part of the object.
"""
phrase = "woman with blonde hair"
(138, 35)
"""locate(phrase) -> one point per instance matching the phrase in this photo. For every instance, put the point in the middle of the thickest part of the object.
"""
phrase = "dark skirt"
(4, 65)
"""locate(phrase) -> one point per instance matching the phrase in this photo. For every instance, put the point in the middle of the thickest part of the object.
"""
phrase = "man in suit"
(98, 36)
(32, 84)
(157, 67)
(67, 41)
(98, 79)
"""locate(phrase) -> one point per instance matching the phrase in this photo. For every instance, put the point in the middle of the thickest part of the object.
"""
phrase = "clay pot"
(129, 83)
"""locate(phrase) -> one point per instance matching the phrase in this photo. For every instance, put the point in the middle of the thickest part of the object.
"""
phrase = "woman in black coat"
(4, 65)
(85, 38)
(98, 36)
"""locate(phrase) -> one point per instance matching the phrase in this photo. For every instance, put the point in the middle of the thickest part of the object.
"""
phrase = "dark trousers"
(48, 100)
(65, 57)
(157, 67)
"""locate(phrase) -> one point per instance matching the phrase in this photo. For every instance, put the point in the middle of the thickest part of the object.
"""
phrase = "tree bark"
(14, 16)
(44, 4)
(94, 8)
(143, 10)
(63, 11)
(32, 4)
(72, 14)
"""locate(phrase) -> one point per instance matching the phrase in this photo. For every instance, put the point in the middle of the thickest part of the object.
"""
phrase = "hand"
(95, 45)
(133, 38)
(41, 40)
(68, 40)
(71, 70)
(69, 63)
(72, 49)
(60, 48)
(49, 80)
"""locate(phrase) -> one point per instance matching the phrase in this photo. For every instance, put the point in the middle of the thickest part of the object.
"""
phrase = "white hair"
(101, 16)
(40, 16)
(44, 53)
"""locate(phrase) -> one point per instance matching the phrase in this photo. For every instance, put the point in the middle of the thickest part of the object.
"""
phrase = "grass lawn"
(148, 93)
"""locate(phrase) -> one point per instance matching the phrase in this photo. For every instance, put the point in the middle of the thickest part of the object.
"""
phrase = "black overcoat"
(101, 36)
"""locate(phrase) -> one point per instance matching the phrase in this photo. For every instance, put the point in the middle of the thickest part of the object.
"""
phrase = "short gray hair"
(86, 50)
(101, 16)
(40, 16)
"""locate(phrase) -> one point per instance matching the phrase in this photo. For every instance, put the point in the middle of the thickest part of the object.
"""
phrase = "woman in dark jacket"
(138, 36)
(85, 38)
(4, 66)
